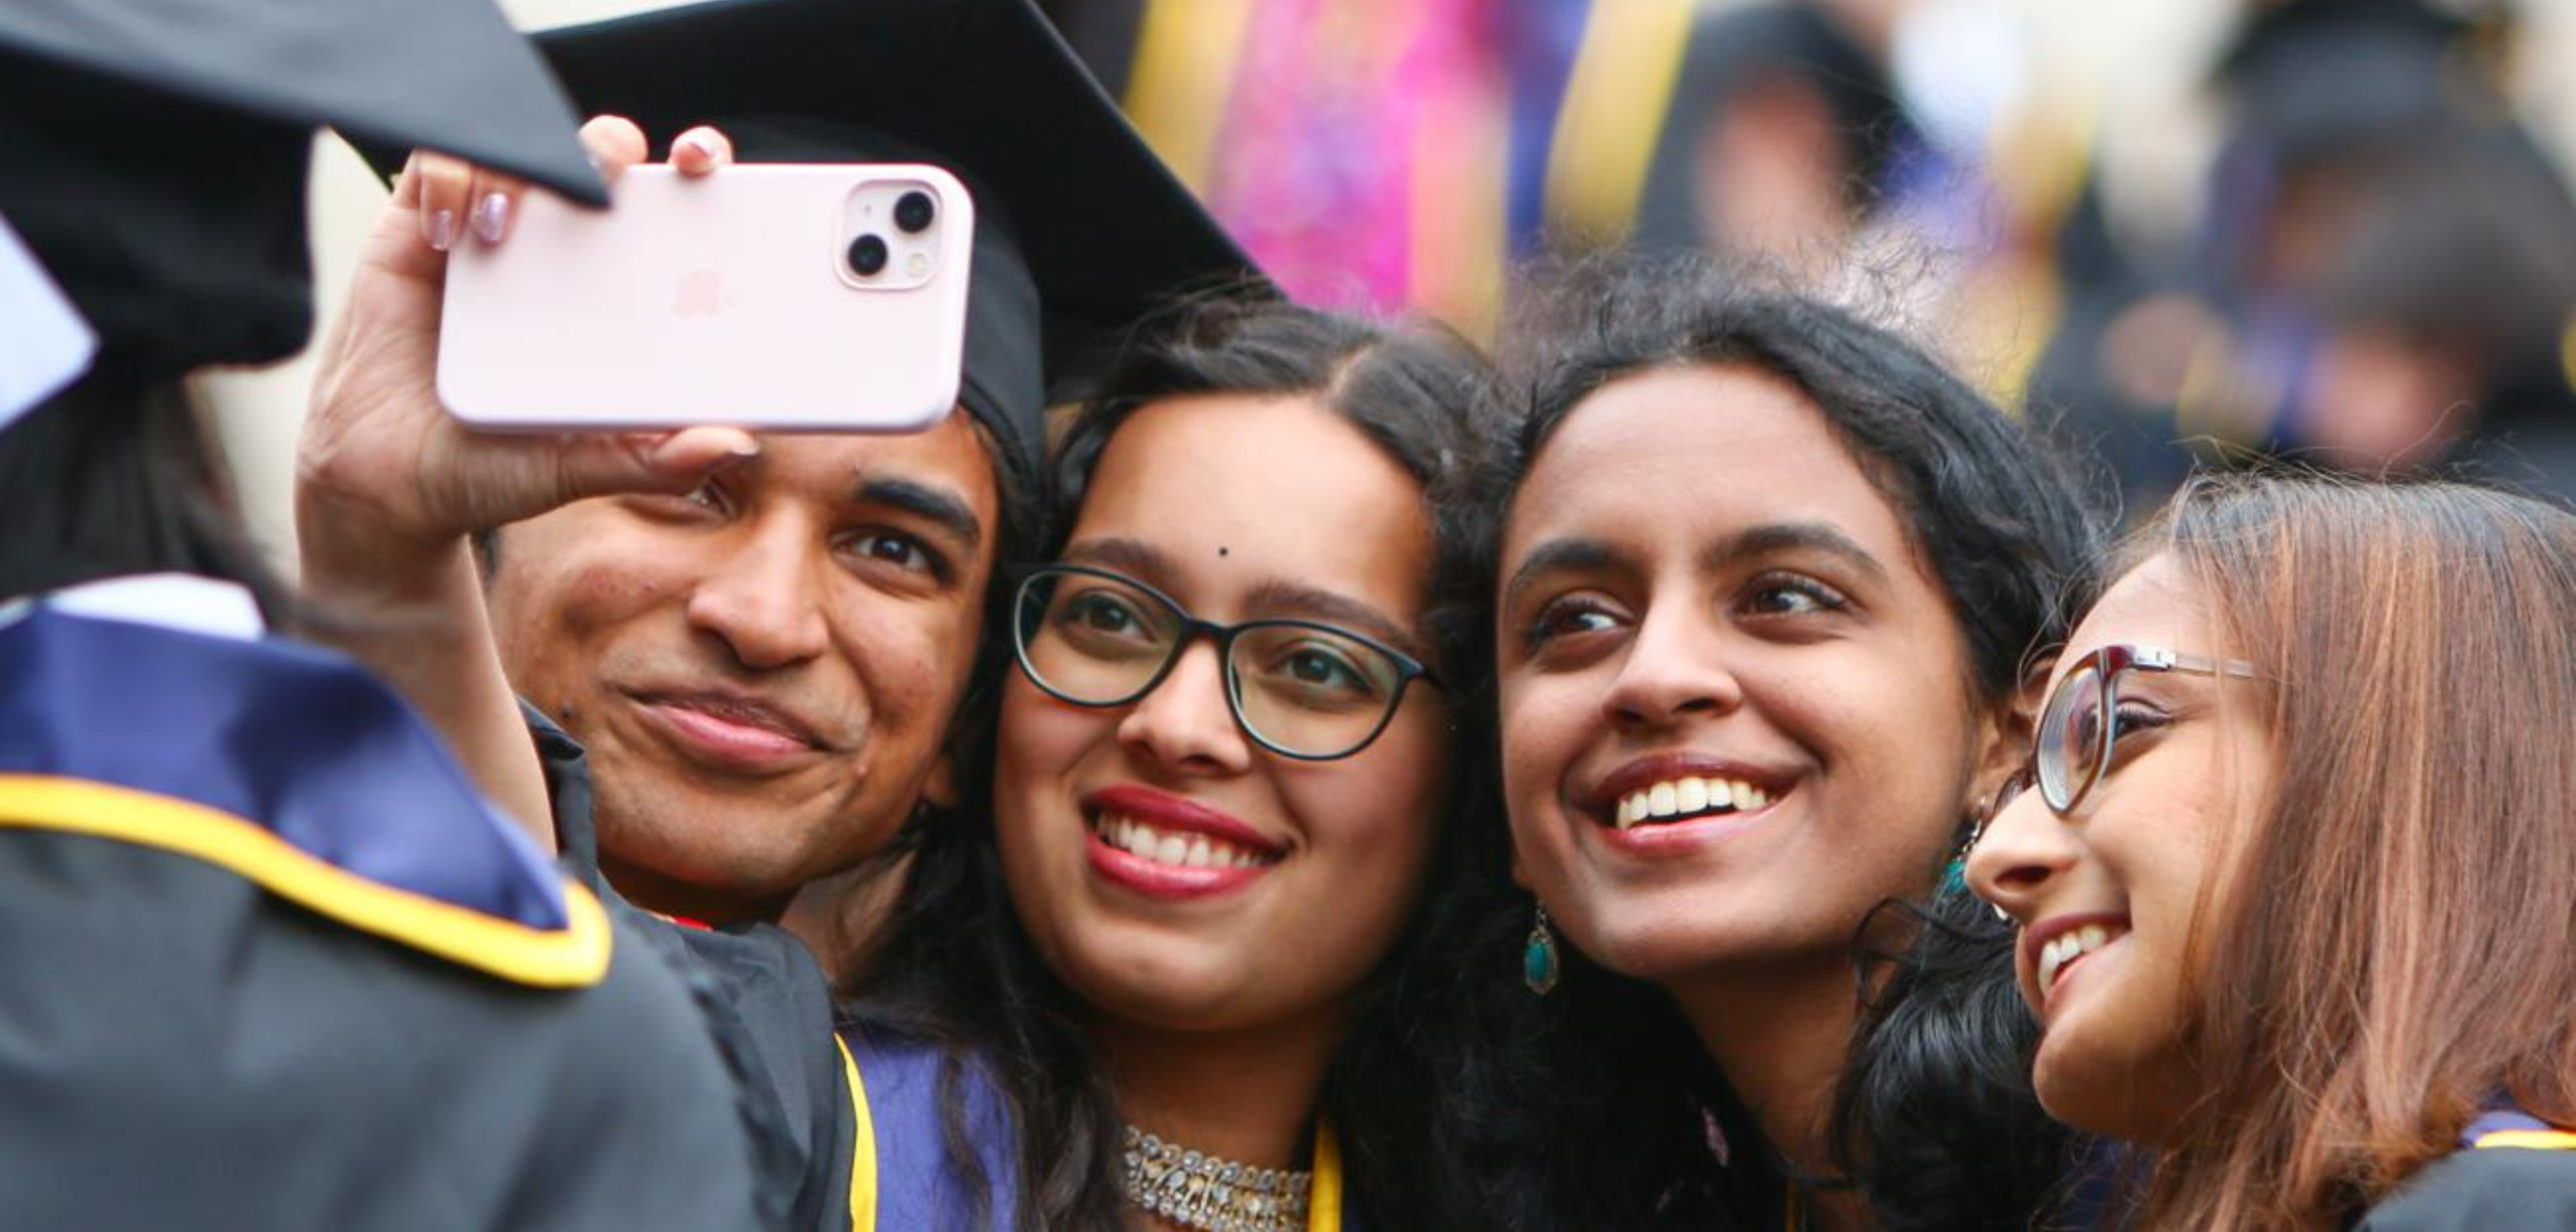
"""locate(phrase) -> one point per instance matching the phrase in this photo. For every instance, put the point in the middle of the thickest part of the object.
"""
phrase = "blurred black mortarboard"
(2311, 78)
(1080, 228)
(157, 149)
(1733, 49)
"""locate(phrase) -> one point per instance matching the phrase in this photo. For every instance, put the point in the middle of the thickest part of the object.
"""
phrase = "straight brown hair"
(2384, 951)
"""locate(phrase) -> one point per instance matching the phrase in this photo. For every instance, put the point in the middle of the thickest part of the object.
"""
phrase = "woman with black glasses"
(1160, 983)
(2294, 883)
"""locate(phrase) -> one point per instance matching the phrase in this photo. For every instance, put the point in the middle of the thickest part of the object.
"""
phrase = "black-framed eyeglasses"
(2079, 728)
(1299, 688)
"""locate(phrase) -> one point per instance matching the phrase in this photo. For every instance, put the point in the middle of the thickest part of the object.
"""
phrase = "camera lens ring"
(915, 211)
(868, 256)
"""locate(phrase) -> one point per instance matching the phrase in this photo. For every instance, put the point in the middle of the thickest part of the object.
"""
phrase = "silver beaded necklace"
(1202, 1191)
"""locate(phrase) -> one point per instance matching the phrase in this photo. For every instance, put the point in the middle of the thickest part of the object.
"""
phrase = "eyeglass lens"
(2071, 734)
(1300, 688)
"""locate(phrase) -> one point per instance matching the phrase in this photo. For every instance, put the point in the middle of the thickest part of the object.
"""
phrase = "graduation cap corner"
(173, 138)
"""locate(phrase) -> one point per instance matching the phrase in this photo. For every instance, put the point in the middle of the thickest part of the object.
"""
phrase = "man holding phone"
(764, 643)
(761, 641)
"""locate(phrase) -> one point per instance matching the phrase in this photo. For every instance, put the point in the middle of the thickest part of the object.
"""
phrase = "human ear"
(2005, 729)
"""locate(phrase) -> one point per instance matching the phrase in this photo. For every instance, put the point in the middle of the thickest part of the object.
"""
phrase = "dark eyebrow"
(1558, 556)
(1791, 537)
(1305, 602)
(1278, 596)
(1587, 555)
(940, 505)
(1132, 556)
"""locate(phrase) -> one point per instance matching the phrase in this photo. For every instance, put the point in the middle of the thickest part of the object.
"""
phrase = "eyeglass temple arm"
(2173, 660)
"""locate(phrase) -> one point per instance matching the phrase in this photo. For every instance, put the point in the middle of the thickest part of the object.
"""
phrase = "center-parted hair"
(1597, 1107)
(954, 965)
(2381, 952)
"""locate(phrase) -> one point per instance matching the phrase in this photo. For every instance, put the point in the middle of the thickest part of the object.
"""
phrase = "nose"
(1675, 669)
(1185, 725)
(761, 600)
(2024, 850)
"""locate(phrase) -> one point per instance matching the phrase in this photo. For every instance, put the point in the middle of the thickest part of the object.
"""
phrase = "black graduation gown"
(268, 962)
(2511, 1172)
(771, 1013)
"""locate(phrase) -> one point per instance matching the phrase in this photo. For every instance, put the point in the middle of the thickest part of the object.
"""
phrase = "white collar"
(182, 601)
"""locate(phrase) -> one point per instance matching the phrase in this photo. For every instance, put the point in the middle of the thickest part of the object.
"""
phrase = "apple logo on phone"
(700, 293)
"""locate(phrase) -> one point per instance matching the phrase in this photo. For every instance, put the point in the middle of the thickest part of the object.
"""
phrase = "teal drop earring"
(1538, 961)
(1954, 879)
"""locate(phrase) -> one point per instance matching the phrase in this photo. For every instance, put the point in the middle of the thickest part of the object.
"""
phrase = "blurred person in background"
(1388, 155)
(1780, 139)
(1358, 148)
(2382, 274)
(2440, 308)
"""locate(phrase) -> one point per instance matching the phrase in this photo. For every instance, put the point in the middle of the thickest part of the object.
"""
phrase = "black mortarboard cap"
(1080, 228)
(2314, 78)
(157, 149)
(1731, 48)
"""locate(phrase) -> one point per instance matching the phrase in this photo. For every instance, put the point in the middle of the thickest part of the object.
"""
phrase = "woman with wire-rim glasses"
(2294, 870)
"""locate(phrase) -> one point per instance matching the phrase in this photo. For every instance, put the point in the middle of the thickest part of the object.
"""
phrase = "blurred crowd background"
(2163, 230)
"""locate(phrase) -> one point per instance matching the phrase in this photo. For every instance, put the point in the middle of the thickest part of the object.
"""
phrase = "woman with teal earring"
(1764, 587)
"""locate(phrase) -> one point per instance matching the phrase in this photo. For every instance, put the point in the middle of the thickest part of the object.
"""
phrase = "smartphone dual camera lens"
(868, 256)
(914, 212)
(892, 231)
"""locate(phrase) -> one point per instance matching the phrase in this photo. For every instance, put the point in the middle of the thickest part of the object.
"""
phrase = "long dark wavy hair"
(954, 966)
(1597, 1106)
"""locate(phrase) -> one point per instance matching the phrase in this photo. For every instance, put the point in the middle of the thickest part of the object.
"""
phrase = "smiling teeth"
(1681, 797)
(1176, 849)
(2056, 953)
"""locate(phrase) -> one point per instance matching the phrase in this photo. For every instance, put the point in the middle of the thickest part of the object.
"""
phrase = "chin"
(1174, 987)
(1645, 942)
(2094, 1111)
(709, 850)
(1642, 957)
(2100, 1096)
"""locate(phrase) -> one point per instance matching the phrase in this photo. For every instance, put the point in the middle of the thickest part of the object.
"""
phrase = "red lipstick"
(1171, 816)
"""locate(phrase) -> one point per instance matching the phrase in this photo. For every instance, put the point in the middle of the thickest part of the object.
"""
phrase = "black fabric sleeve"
(567, 770)
(633, 1145)
(774, 1004)
(764, 999)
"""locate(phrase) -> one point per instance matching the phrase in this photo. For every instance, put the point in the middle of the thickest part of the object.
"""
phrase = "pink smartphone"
(793, 297)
